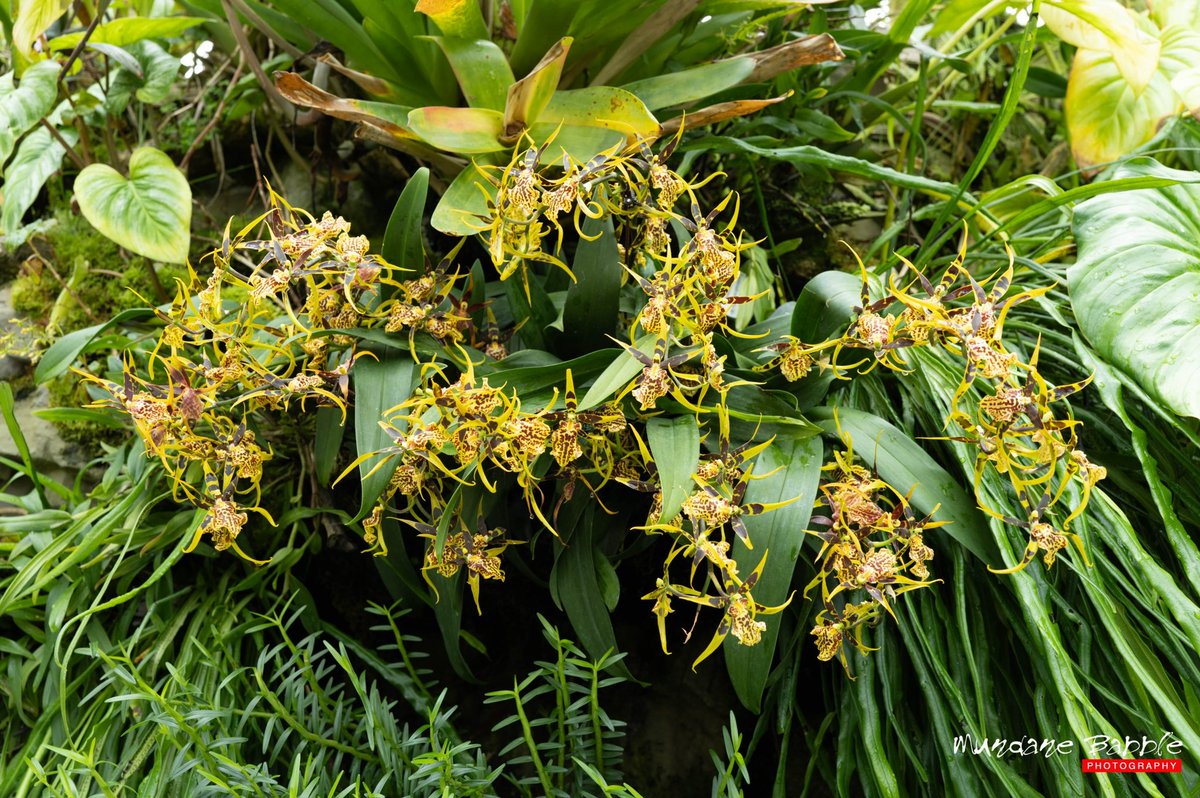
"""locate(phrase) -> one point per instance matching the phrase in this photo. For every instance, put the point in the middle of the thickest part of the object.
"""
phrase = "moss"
(104, 282)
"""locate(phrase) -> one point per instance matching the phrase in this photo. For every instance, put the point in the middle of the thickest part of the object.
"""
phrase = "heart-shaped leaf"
(38, 157)
(22, 105)
(1136, 283)
(149, 77)
(149, 213)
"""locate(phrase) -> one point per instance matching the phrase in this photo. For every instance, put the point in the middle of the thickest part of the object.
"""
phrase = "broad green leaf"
(903, 464)
(378, 386)
(333, 22)
(149, 213)
(575, 582)
(689, 85)
(38, 157)
(22, 105)
(578, 141)
(158, 69)
(546, 22)
(780, 535)
(1105, 117)
(33, 17)
(481, 69)
(327, 442)
(590, 310)
(403, 244)
(459, 211)
(675, 446)
(460, 130)
(1184, 13)
(1180, 63)
(823, 309)
(461, 18)
(1135, 286)
(604, 107)
(1106, 26)
(825, 306)
(528, 97)
(124, 31)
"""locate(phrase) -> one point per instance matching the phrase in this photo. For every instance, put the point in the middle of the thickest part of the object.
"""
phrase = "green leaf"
(590, 311)
(690, 85)
(825, 306)
(378, 386)
(1135, 285)
(481, 69)
(603, 107)
(124, 31)
(23, 105)
(149, 213)
(780, 535)
(328, 442)
(38, 157)
(403, 244)
(528, 97)
(63, 352)
(462, 130)
(158, 70)
(618, 374)
(527, 380)
(574, 580)
(462, 18)
(675, 446)
(1106, 118)
(459, 210)
(903, 464)
(33, 18)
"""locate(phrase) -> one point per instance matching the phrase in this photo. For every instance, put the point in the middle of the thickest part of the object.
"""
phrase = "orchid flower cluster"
(873, 549)
(1011, 421)
(272, 327)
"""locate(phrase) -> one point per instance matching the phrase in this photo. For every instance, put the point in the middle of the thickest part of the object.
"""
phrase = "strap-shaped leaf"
(590, 310)
(462, 207)
(528, 97)
(388, 118)
(377, 387)
(403, 244)
(33, 17)
(574, 580)
(149, 213)
(903, 464)
(481, 69)
(1135, 283)
(781, 534)
(462, 18)
(675, 445)
(604, 107)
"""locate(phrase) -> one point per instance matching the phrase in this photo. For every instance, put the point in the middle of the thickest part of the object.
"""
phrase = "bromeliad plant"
(595, 70)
